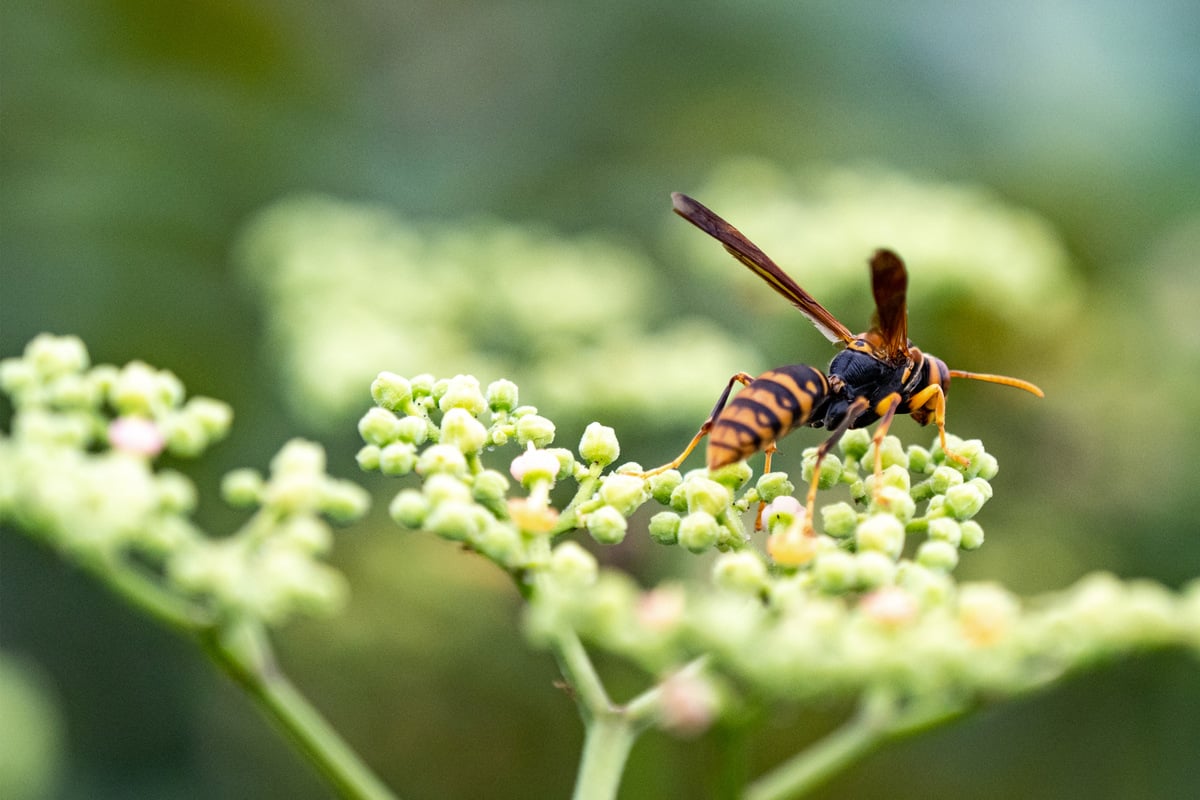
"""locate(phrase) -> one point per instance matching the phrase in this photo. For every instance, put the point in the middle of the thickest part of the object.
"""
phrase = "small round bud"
(599, 445)
(397, 458)
(733, 476)
(422, 385)
(566, 461)
(774, 484)
(835, 571)
(490, 486)
(937, 555)
(573, 566)
(782, 511)
(898, 503)
(874, 569)
(442, 458)
(944, 478)
(689, 703)
(929, 587)
(535, 428)
(919, 459)
(453, 520)
(663, 484)
(699, 531)
(831, 469)
(790, 546)
(854, 443)
(623, 492)
(379, 426)
(367, 458)
(988, 467)
(414, 430)
(986, 612)
(607, 525)
(500, 542)
(534, 466)
(391, 391)
(945, 529)
(891, 454)
(56, 355)
(463, 431)
(185, 436)
(212, 415)
(344, 501)
(442, 488)
(881, 532)
(964, 501)
(664, 527)
(18, 376)
(408, 508)
(242, 488)
(706, 495)
(462, 391)
(742, 571)
(176, 493)
(839, 519)
(983, 486)
(501, 396)
(972, 535)
(894, 476)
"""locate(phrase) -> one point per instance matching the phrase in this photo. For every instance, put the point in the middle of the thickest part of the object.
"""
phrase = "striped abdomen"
(774, 404)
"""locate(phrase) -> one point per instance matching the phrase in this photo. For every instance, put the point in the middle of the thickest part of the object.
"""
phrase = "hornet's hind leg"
(741, 377)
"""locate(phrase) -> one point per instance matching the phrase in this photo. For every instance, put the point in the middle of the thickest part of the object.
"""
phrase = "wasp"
(877, 375)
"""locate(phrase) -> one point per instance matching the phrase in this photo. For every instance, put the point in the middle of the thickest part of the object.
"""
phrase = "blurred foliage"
(139, 140)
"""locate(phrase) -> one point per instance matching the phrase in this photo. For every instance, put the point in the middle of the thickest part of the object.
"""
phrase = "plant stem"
(606, 745)
(291, 712)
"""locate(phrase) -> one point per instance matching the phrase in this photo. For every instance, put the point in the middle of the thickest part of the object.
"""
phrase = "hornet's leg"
(933, 396)
(741, 377)
(853, 412)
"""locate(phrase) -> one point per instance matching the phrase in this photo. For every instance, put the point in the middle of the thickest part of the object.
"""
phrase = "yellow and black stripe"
(771, 406)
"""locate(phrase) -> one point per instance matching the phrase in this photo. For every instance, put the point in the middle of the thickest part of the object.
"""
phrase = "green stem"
(144, 592)
(606, 746)
(247, 658)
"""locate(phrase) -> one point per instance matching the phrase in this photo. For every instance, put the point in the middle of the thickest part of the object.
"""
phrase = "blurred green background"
(229, 189)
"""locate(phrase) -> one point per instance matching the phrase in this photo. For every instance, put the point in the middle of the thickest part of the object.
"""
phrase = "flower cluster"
(78, 470)
(868, 603)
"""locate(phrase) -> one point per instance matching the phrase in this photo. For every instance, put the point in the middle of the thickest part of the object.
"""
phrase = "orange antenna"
(1003, 380)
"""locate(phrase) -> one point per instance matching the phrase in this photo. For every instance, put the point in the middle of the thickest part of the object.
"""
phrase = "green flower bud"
(242, 488)
(839, 519)
(185, 436)
(944, 478)
(599, 445)
(573, 566)
(176, 493)
(501, 396)
(422, 386)
(774, 484)
(881, 532)
(987, 466)
(367, 458)
(443, 488)
(699, 531)
(782, 511)
(896, 502)
(442, 458)
(309, 535)
(414, 430)
(929, 587)
(501, 542)
(664, 527)
(937, 555)
(56, 355)
(463, 431)
(835, 571)
(73, 390)
(18, 376)
(706, 495)
(535, 466)
(140, 390)
(623, 492)
(742, 571)
(490, 486)
(983, 486)
(379, 426)
(439, 388)
(398, 458)
(391, 391)
(831, 469)
(964, 502)
(945, 529)
(664, 484)
(535, 428)
(213, 416)
(566, 461)
(893, 476)
(678, 501)
(972, 535)
(454, 520)
(874, 569)
(892, 454)
(986, 612)
(463, 392)
(607, 525)
(733, 476)
(919, 459)
(854, 443)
